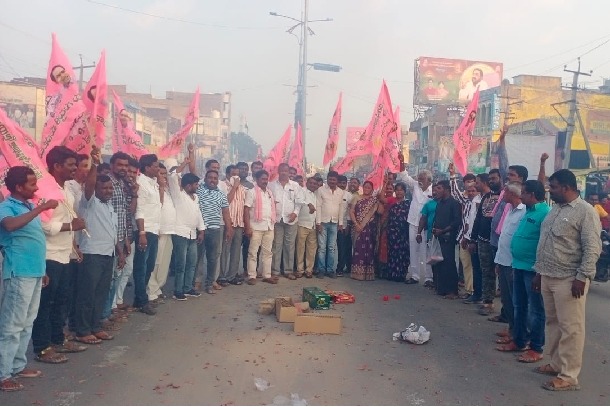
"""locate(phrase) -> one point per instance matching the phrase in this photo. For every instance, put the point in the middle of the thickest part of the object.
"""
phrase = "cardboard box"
(316, 297)
(286, 310)
(318, 323)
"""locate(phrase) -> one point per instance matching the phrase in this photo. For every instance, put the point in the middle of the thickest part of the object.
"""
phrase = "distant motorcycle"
(603, 263)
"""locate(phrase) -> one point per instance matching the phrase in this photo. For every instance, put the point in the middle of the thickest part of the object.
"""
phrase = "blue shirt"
(102, 225)
(24, 249)
(211, 202)
(429, 210)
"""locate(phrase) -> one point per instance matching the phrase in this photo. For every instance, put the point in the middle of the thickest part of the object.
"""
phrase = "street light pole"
(304, 84)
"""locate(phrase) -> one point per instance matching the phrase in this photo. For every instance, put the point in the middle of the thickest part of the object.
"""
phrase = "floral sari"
(363, 259)
(398, 241)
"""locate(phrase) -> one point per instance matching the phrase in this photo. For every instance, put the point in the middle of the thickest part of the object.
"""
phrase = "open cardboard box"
(318, 323)
(286, 309)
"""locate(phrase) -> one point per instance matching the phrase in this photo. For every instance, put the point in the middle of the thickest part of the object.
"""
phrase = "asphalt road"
(209, 350)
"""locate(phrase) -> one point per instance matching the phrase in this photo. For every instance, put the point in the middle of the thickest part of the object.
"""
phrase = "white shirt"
(306, 219)
(288, 200)
(265, 223)
(59, 244)
(504, 256)
(419, 197)
(76, 190)
(167, 220)
(472, 214)
(347, 200)
(330, 205)
(149, 204)
(188, 216)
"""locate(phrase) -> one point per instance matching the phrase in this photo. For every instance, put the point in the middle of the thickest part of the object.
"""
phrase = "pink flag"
(392, 146)
(95, 98)
(376, 176)
(462, 138)
(296, 153)
(345, 165)
(65, 109)
(277, 155)
(17, 150)
(333, 134)
(175, 144)
(124, 137)
(382, 123)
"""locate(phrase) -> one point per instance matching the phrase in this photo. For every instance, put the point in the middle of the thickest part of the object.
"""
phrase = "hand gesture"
(190, 147)
(162, 181)
(50, 204)
(451, 169)
(96, 155)
(543, 158)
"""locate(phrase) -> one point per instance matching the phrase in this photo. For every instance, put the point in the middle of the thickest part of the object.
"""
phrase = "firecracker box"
(316, 297)
(341, 297)
(286, 310)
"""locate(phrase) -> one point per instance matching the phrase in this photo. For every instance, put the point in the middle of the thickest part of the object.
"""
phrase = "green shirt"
(429, 210)
(525, 240)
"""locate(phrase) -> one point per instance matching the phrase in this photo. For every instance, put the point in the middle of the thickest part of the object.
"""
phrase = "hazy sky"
(236, 46)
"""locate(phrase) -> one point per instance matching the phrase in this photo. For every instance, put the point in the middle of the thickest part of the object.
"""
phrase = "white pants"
(264, 240)
(418, 257)
(158, 277)
(123, 277)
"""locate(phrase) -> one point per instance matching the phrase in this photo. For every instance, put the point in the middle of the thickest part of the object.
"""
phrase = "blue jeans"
(114, 284)
(529, 312)
(18, 310)
(185, 261)
(143, 266)
(327, 248)
(210, 248)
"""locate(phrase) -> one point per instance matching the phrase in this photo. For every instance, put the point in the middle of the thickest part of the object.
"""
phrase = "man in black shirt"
(447, 223)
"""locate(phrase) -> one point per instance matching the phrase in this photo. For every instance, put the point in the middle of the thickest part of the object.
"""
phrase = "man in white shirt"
(329, 220)
(307, 242)
(167, 223)
(288, 201)
(259, 220)
(477, 82)
(148, 216)
(231, 249)
(188, 231)
(504, 257)
(421, 191)
(344, 237)
(48, 330)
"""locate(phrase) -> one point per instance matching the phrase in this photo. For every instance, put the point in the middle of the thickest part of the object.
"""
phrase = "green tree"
(244, 146)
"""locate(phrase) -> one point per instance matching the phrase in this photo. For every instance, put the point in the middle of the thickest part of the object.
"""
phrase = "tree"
(244, 146)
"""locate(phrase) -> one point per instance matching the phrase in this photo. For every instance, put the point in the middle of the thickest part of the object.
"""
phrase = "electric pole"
(82, 68)
(571, 118)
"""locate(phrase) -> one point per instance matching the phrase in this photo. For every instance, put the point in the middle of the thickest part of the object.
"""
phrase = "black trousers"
(93, 285)
(49, 324)
(344, 251)
(445, 272)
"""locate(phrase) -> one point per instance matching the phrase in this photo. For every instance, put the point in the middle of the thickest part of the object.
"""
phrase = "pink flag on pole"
(124, 137)
(61, 80)
(462, 138)
(392, 146)
(333, 134)
(296, 153)
(382, 123)
(376, 176)
(176, 143)
(95, 97)
(277, 155)
(16, 150)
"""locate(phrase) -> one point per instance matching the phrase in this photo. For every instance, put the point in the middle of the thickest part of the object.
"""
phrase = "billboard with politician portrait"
(444, 81)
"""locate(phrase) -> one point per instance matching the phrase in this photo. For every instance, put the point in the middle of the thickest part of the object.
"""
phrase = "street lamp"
(300, 114)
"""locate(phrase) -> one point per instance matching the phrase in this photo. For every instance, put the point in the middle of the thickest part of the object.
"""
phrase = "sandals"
(504, 340)
(502, 334)
(291, 276)
(298, 275)
(530, 356)
(558, 384)
(103, 335)
(210, 290)
(50, 356)
(451, 297)
(216, 286)
(89, 339)
(10, 384)
(69, 347)
(308, 275)
(546, 370)
(29, 374)
(497, 318)
(251, 281)
(512, 347)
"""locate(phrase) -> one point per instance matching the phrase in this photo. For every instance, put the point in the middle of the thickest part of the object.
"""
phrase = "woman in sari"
(364, 209)
(398, 236)
(387, 200)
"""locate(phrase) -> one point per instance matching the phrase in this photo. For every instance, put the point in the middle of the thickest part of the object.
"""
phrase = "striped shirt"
(236, 206)
(211, 203)
(469, 210)
(119, 204)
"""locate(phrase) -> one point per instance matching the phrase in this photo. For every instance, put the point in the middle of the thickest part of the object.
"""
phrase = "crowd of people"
(67, 263)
